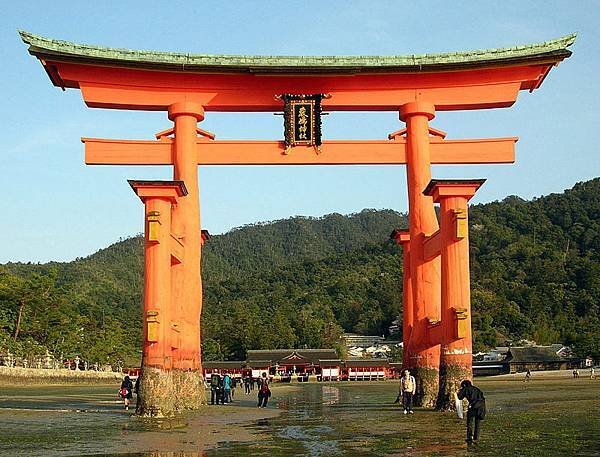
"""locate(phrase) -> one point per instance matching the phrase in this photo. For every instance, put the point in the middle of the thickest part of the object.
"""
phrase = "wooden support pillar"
(456, 351)
(157, 386)
(425, 274)
(187, 287)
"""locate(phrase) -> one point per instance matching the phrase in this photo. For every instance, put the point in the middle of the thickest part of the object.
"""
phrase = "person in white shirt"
(408, 386)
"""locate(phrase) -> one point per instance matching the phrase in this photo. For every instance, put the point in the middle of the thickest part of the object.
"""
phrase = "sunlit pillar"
(456, 351)
(157, 386)
(425, 275)
(187, 286)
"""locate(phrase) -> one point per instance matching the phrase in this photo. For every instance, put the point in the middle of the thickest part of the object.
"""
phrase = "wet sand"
(206, 428)
(66, 420)
(552, 415)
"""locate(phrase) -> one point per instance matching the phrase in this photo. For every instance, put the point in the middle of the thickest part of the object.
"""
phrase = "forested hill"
(302, 281)
(261, 247)
(92, 306)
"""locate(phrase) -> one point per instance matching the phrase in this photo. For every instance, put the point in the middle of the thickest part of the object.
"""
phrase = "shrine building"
(304, 365)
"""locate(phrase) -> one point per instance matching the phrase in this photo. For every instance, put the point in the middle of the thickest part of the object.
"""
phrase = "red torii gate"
(437, 331)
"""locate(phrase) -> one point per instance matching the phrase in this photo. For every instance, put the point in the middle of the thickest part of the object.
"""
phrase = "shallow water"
(543, 417)
(345, 419)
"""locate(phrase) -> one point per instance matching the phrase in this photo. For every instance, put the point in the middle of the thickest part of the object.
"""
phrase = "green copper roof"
(548, 51)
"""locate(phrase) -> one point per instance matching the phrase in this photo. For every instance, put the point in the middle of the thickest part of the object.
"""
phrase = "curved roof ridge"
(39, 45)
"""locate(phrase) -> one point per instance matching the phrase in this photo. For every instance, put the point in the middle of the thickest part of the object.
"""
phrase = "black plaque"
(302, 120)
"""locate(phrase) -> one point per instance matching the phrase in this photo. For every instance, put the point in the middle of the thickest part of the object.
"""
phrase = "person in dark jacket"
(126, 392)
(247, 383)
(215, 387)
(234, 382)
(263, 391)
(476, 411)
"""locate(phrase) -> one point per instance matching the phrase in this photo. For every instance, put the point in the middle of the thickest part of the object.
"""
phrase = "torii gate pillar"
(425, 274)
(454, 329)
(187, 287)
(158, 388)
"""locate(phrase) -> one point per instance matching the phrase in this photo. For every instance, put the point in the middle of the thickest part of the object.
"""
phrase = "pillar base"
(189, 387)
(427, 386)
(450, 378)
(156, 396)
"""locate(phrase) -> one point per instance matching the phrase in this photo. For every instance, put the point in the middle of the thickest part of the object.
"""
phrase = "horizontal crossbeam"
(248, 99)
(126, 88)
(432, 246)
(340, 152)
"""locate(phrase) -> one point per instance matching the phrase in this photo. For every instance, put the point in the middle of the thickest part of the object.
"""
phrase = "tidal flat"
(552, 415)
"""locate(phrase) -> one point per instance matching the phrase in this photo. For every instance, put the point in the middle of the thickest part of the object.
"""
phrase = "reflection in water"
(311, 438)
(331, 395)
(302, 430)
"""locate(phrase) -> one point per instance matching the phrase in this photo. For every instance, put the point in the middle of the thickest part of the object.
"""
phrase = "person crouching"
(476, 411)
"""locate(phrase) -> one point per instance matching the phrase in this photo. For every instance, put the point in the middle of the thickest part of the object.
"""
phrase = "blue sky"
(56, 208)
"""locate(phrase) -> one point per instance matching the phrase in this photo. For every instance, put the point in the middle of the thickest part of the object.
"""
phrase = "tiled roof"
(532, 354)
(258, 363)
(278, 356)
(553, 50)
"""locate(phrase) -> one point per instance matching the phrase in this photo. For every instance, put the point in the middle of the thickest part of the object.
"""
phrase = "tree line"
(301, 282)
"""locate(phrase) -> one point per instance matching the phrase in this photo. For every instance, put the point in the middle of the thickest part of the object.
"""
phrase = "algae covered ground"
(549, 416)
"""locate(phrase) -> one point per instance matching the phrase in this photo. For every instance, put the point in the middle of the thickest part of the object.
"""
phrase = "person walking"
(528, 375)
(408, 386)
(126, 391)
(476, 411)
(215, 381)
(226, 388)
(247, 382)
(592, 373)
(263, 391)
(234, 382)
